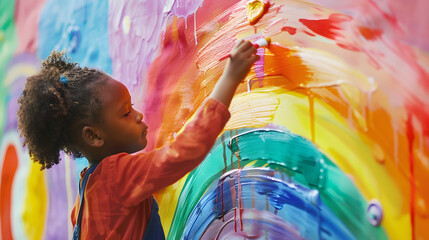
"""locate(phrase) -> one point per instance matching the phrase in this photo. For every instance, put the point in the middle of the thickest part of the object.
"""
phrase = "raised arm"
(148, 173)
(241, 60)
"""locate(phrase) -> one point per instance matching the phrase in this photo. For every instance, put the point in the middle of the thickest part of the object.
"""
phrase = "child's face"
(122, 126)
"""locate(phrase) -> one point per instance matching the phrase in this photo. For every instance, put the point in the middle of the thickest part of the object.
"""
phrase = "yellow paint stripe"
(166, 198)
(350, 150)
(19, 70)
(36, 202)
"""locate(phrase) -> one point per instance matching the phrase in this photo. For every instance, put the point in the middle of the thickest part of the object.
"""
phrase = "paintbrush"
(263, 42)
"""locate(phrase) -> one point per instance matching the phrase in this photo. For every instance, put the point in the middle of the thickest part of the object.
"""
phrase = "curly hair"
(49, 108)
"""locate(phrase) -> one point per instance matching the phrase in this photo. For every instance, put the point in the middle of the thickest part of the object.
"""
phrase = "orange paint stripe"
(410, 136)
(10, 164)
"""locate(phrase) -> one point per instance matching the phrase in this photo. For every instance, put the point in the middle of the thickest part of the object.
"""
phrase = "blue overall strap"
(76, 231)
(154, 230)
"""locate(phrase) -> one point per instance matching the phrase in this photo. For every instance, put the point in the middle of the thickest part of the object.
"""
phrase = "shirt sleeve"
(136, 177)
(75, 209)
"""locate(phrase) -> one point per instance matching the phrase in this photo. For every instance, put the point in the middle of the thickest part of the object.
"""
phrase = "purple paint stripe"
(23, 58)
(133, 52)
(259, 65)
(57, 219)
(15, 88)
(184, 8)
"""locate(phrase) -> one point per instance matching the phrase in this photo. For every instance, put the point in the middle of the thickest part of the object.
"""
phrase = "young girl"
(85, 112)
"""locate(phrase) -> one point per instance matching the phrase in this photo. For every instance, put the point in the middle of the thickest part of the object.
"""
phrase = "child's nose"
(139, 117)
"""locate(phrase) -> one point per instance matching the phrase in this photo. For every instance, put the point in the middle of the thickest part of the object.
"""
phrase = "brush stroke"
(80, 28)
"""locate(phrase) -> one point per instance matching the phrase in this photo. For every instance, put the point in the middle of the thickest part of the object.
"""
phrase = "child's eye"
(128, 113)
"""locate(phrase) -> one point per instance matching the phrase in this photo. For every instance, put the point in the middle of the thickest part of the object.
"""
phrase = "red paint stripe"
(221, 196)
(232, 153)
(237, 154)
(10, 164)
(290, 30)
(235, 219)
(329, 28)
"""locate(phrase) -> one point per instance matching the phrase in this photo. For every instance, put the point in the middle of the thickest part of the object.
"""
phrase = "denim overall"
(154, 230)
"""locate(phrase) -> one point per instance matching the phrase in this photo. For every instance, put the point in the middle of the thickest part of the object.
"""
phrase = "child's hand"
(243, 55)
(242, 58)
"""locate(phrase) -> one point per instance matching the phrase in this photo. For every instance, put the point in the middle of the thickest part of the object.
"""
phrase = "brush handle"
(225, 57)
(263, 42)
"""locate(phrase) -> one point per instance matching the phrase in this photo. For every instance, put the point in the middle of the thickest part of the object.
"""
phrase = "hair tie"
(63, 79)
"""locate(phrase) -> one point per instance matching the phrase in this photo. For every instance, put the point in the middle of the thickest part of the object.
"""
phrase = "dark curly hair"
(50, 110)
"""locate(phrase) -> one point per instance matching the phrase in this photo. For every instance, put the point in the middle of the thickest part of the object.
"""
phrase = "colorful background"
(329, 135)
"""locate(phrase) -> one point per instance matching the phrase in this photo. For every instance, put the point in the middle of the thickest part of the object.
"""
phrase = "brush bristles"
(263, 42)
(268, 39)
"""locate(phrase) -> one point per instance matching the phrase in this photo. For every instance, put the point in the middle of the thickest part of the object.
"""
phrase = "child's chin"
(139, 148)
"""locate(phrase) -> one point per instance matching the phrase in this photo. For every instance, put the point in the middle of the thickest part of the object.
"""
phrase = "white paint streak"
(67, 171)
(19, 184)
(195, 28)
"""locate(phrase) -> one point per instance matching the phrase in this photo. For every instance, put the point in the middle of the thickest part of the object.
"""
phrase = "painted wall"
(329, 135)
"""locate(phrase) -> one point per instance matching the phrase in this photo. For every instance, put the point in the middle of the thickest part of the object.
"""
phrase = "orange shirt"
(118, 194)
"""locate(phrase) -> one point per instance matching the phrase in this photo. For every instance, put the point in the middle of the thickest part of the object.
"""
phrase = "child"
(84, 111)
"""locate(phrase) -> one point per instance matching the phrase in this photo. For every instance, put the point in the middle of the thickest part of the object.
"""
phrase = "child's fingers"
(246, 46)
(243, 46)
(248, 52)
(255, 58)
(238, 42)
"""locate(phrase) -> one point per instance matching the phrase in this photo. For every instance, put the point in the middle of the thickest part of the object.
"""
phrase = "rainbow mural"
(329, 134)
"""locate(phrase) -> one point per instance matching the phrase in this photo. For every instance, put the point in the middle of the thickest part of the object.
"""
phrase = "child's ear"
(91, 137)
